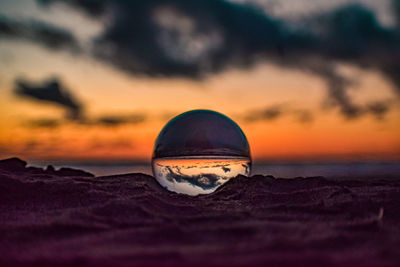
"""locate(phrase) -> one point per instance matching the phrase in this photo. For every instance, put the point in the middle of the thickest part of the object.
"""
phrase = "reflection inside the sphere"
(200, 174)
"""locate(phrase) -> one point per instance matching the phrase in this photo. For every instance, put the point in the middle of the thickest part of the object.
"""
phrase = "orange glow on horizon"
(276, 140)
(235, 93)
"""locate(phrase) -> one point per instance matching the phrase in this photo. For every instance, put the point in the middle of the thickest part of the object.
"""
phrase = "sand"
(70, 218)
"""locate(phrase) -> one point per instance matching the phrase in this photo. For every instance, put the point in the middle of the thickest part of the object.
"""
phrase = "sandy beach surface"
(68, 217)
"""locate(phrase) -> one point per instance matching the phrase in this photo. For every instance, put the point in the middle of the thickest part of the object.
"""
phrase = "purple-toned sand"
(70, 218)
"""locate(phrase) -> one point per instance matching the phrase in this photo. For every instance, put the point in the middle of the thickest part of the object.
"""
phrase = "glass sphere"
(198, 151)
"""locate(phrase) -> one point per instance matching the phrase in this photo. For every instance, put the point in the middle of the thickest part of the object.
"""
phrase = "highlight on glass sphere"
(198, 151)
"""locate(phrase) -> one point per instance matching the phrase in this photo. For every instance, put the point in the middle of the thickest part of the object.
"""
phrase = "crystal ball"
(198, 151)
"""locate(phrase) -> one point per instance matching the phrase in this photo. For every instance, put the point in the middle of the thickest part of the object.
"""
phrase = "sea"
(345, 170)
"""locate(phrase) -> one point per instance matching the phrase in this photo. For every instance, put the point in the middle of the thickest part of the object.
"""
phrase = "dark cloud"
(51, 91)
(104, 120)
(50, 36)
(392, 71)
(44, 123)
(92, 7)
(194, 38)
(304, 116)
(116, 120)
(396, 8)
(269, 113)
(184, 38)
(205, 181)
(378, 109)
(338, 96)
(275, 112)
(351, 34)
(213, 34)
(337, 92)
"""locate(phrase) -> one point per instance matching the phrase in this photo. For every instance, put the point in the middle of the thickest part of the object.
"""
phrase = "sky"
(97, 80)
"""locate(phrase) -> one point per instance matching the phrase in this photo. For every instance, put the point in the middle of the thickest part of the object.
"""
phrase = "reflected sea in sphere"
(198, 151)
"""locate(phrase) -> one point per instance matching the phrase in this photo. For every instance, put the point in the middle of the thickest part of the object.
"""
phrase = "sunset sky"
(296, 99)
